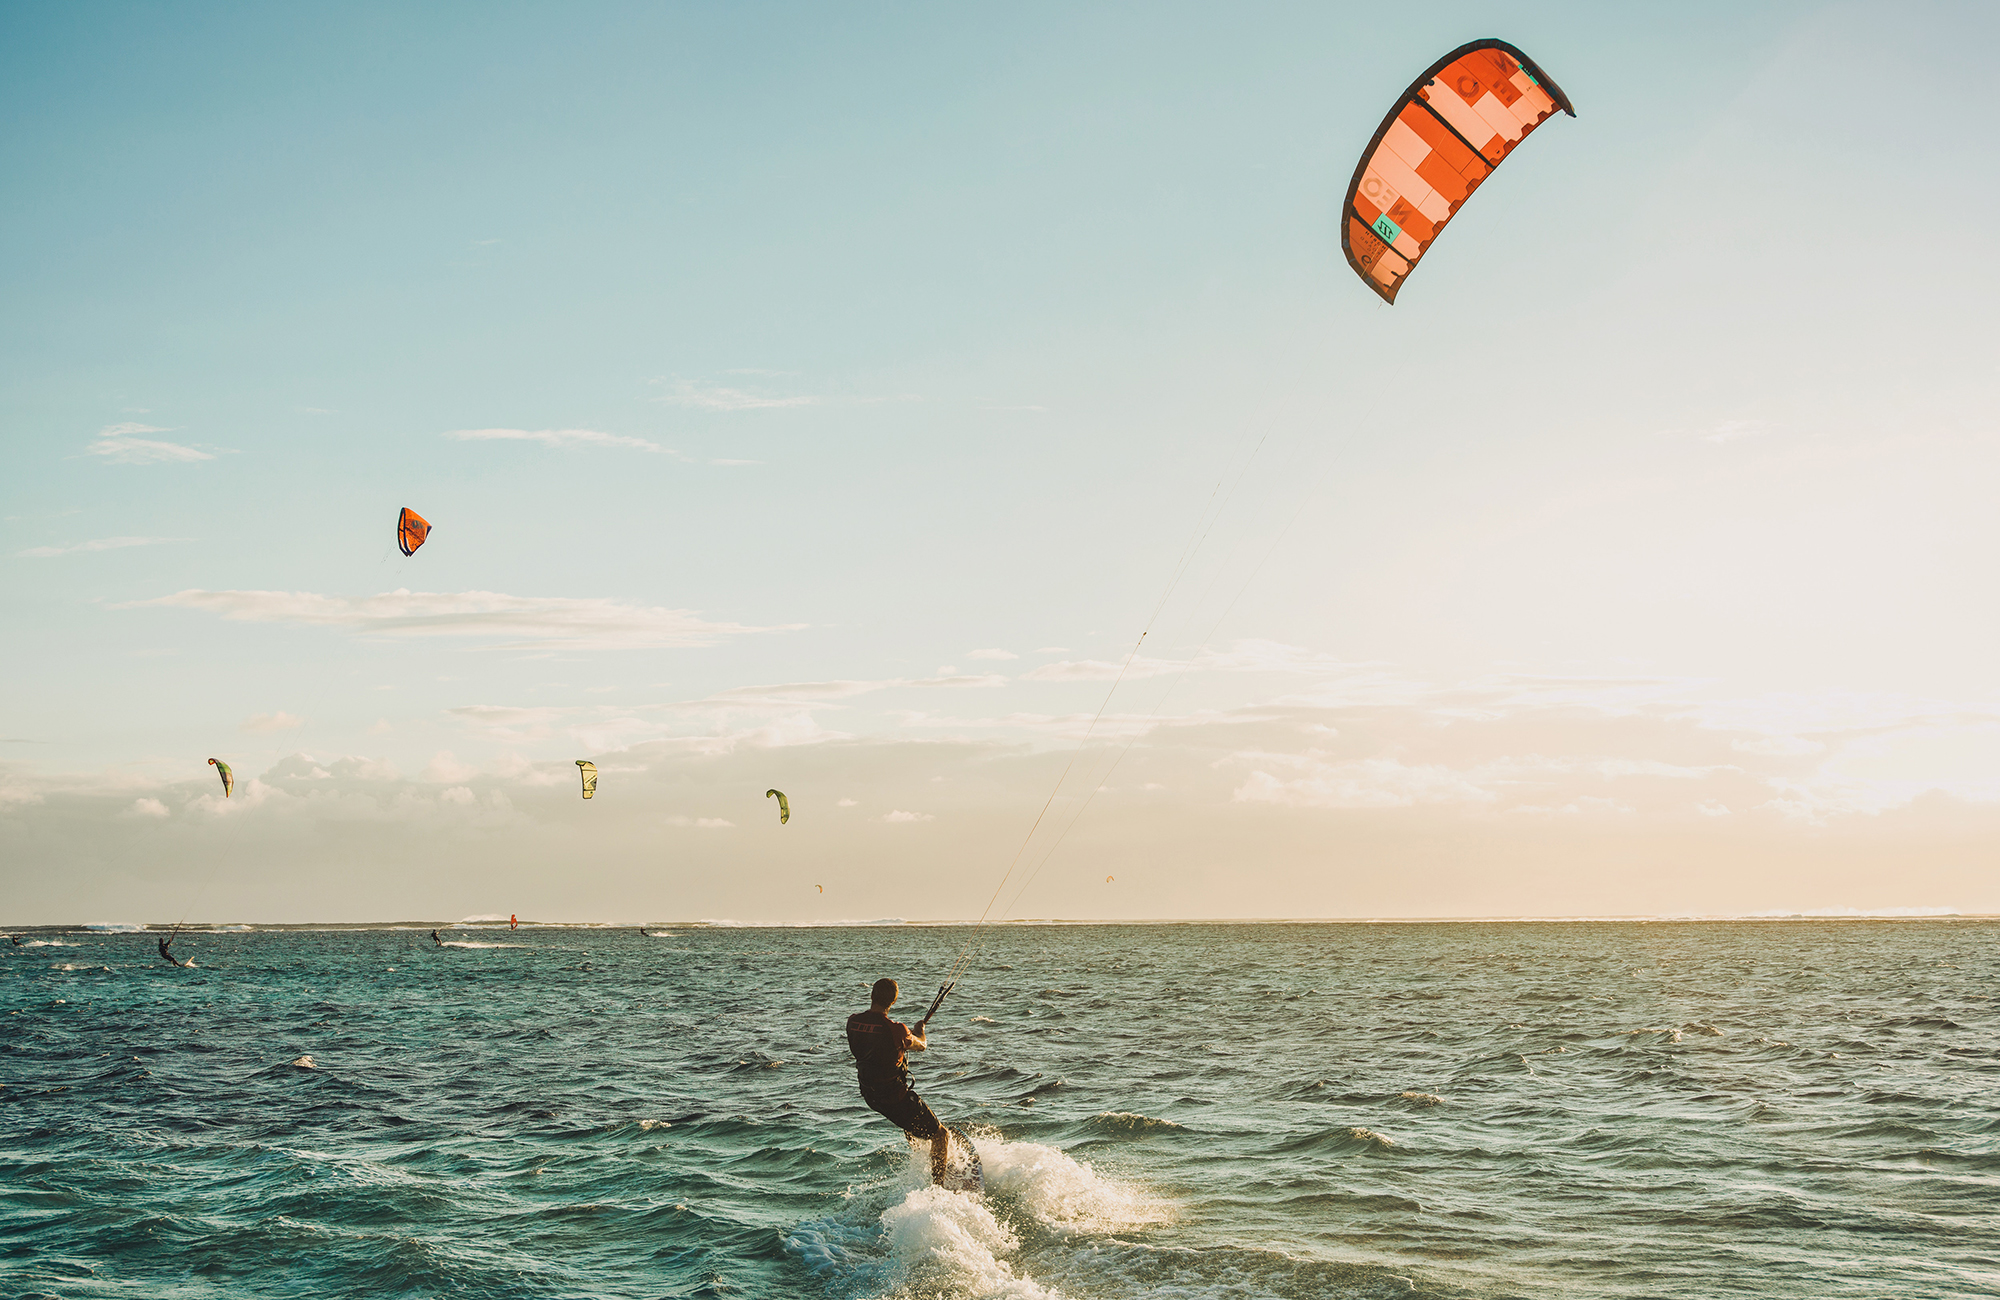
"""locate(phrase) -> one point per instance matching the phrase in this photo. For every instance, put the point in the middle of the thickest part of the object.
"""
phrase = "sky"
(829, 398)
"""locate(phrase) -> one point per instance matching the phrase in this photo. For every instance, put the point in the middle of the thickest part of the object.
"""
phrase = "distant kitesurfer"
(643, 934)
(434, 939)
(165, 944)
(16, 940)
(879, 1045)
(513, 921)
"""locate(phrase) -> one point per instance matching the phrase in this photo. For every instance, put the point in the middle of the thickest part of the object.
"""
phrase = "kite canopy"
(784, 805)
(228, 777)
(588, 771)
(1444, 136)
(411, 530)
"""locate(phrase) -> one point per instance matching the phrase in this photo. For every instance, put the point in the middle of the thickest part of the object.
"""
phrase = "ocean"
(1669, 1109)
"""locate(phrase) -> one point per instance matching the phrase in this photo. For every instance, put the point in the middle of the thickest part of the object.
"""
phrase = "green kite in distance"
(784, 805)
(228, 777)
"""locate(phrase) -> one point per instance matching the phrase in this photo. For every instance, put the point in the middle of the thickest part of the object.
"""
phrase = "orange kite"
(1445, 135)
(411, 530)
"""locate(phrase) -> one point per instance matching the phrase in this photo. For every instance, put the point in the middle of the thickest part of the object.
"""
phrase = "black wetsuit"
(169, 956)
(879, 1045)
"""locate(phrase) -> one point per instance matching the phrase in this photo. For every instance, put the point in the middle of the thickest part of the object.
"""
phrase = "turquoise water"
(1569, 1109)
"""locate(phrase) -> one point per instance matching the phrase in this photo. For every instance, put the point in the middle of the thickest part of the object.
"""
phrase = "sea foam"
(951, 1241)
(1060, 1191)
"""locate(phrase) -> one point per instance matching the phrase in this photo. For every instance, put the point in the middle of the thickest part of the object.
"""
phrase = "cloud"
(540, 621)
(1099, 670)
(146, 808)
(1365, 783)
(991, 654)
(501, 722)
(515, 768)
(445, 769)
(101, 544)
(703, 823)
(846, 803)
(563, 438)
(900, 816)
(267, 722)
(789, 694)
(120, 444)
(458, 794)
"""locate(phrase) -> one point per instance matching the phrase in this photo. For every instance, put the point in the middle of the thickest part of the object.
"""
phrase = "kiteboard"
(962, 1171)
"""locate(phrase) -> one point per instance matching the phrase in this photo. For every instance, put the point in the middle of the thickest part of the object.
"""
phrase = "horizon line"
(718, 923)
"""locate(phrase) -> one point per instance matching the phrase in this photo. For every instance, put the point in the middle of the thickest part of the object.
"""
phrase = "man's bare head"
(883, 996)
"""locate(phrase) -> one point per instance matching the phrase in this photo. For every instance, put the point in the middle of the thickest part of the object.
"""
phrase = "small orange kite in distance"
(411, 530)
(1109, 879)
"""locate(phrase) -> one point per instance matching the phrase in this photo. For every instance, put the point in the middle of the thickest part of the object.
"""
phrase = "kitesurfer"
(879, 1045)
(165, 944)
(513, 921)
(434, 939)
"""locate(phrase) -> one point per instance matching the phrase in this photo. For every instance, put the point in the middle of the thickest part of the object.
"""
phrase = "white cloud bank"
(121, 444)
(548, 621)
(264, 723)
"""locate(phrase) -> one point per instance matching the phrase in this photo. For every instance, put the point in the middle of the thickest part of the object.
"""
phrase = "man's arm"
(914, 1040)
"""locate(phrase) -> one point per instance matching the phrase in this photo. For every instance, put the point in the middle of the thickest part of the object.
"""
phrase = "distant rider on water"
(879, 1045)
